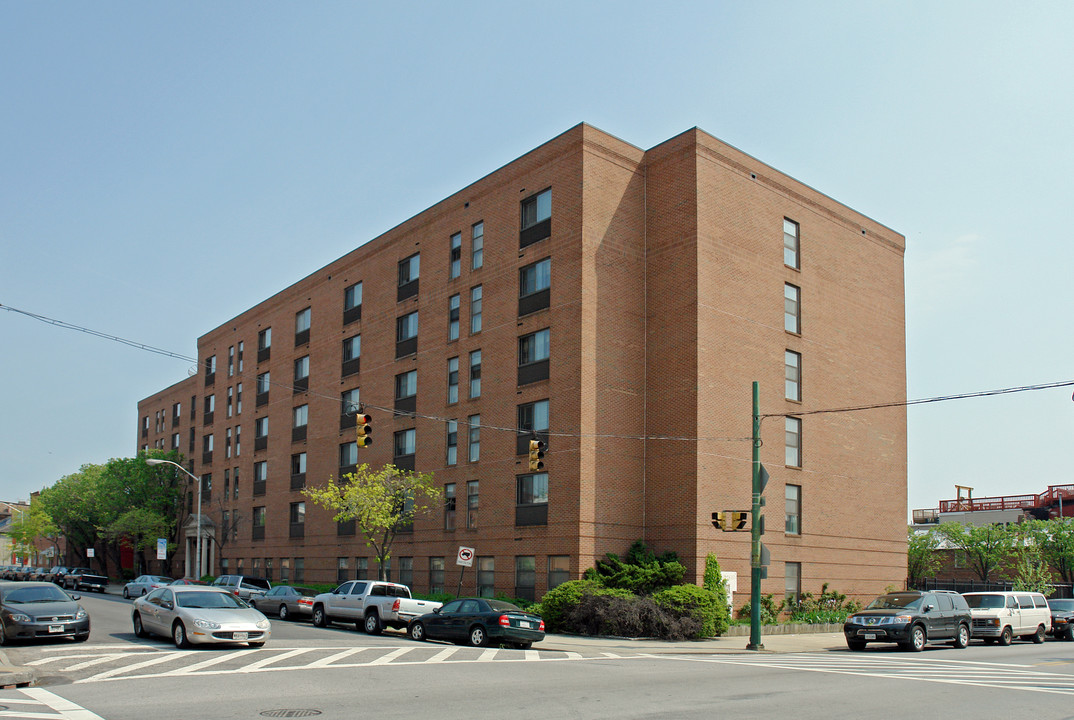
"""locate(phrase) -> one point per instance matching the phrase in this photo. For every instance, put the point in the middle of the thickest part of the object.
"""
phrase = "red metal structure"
(1056, 501)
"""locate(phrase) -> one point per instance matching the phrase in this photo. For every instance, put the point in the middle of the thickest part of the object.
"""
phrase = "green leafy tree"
(73, 504)
(922, 560)
(987, 548)
(1031, 571)
(1055, 540)
(381, 503)
(641, 571)
(30, 527)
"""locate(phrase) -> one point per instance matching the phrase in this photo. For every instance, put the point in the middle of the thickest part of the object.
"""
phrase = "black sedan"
(1062, 618)
(33, 610)
(479, 622)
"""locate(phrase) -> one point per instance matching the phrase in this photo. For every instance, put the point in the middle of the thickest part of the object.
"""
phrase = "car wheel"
(82, 638)
(319, 620)
(3, 634)
(139, 631)
(256, 644)
(372, 624)
(962, 638)
(283, 612)
(1038, 638)
(416, 631)
(1006, 636)
(1069, 635)
(917, 638)
(126, 595)
(478, 636)
(855, 646)
(179, 636)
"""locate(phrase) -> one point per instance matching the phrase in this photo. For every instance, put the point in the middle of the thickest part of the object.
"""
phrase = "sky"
(165, 166)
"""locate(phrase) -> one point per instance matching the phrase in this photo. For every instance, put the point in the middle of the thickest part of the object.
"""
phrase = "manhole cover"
(291, 713)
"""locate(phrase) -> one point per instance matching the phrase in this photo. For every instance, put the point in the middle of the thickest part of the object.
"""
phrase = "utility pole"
(755, 545)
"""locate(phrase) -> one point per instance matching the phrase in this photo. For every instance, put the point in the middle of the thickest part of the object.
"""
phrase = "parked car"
(286, 601)
(371, 605)
(143, 584)
(1062, 618)
(192, 614)
(22, 573)
(79, 578)
(479, 622)
(40, 610)
(55, 574)
(9, 572)
(38, 574)
(188, 581)
(243, 586)
(911, 619)
(1003, 616)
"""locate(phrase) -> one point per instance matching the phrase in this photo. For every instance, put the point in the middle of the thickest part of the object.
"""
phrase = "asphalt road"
(340, 673)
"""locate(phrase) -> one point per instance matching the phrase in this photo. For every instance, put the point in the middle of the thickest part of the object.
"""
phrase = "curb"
(12, 676)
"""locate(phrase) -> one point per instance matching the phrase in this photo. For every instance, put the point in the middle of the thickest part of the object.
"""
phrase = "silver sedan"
(192, 614)
(144, 584)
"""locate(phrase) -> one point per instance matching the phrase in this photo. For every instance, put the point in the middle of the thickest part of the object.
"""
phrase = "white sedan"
(144, 584)
(193, 614)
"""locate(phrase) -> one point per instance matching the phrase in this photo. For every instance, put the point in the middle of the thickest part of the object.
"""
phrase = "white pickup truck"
(371, 605)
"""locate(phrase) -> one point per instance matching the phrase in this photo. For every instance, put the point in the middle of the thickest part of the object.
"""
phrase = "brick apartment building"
(617, 301)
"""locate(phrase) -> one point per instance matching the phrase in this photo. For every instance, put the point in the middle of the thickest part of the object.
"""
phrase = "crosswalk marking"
(489, 654)
(45, 706)
(162, 658)
(323, 662)
(443, 655)
(385, 659)
(273, 659)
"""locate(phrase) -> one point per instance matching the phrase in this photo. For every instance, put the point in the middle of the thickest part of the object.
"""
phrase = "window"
(348, 454)
(534, 282)
(230, 400)
(532, 418)
(793, 580)
(473, 501)
(261, 433)
(263, 384)
(264, 344)
(532, 499)
(455, 261)
(300, 570)
(792, 310)
(341, 570)
(475, 438)
(794, 442)
(301, 415)
(452, 441)
(793, 371)
(210, 369)
(406, 334)
(525, 576)
(453, 380)
(260, 471)
(486, 577)
(258, 524)
(406, 571)
(236, 487)
(361, 568)
(559, 569)
(298, 519)
(302, 320)
(210, 408)
(175, 441)
(794, 509)
(348, 409)
(285, 570)
(436, 575)
(352, 355)
(449, 506)
(475, 309)
(408, 277)
(352, 303)
(231, 361)
(238, 440)
(453, 318)
(227, 445)
(241, 346)
(475, 374)
(790, 243)
(406, 390)
(302, 373)
(533, 352)
(238, 399)
(405, 442)
(298, 471)
(536, 218)
(477, 245)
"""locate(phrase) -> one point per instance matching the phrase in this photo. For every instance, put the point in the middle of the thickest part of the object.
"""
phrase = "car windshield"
(985, 601)
(159, 579)
(1062, 605)
(501, 606)
(896, 601)
(43, 594)
(208, 600)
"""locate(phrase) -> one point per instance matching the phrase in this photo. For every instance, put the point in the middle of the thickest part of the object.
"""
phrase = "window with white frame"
(790, 243)
(477, 245)
(793, 441)
(455, 256)
(793, 373)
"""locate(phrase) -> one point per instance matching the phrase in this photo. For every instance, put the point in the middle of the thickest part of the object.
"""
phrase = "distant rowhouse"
(616, 302)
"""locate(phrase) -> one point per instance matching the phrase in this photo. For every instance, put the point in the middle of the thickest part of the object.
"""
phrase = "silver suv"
(244, 586)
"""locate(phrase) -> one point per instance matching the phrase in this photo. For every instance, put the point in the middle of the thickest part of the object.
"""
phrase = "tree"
(381, 502)
(33, 525)
(1055, 540)
(987, 547)
(72, 503)
(922, 561)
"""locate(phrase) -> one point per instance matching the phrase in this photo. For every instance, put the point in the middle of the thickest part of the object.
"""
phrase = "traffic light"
(719, 520)
(536, 453)
(739, 519)
(365, 430)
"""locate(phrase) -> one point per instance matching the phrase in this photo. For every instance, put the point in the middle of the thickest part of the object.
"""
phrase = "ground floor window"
(486, 576)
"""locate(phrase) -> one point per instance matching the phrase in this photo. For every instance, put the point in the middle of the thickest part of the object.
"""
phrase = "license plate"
(870, 636)
(240, 635)
(55, 628)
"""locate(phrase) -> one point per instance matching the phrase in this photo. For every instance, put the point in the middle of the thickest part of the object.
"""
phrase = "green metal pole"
(755, 549)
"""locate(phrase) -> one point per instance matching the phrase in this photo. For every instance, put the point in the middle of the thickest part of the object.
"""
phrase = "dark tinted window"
(945, 602)
(985, 601)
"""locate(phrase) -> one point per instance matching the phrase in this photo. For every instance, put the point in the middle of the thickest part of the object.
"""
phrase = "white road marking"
(67, 709)
(327, 661)
(442, 655)
(162, 658)
(252, 667)
(385, 659)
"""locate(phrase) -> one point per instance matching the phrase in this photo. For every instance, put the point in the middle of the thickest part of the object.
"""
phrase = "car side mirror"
(436, 610)
(75, 596)
(167, 605)
(930, 608)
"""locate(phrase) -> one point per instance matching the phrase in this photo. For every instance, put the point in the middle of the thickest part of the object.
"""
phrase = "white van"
(1005, 615)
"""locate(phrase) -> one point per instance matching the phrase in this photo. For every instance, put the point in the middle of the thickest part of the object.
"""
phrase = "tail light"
(505, 621)
(305, 601)
(542, 626)
(395, 606)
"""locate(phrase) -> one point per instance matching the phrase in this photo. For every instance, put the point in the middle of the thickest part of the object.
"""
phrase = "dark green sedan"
(479, 622)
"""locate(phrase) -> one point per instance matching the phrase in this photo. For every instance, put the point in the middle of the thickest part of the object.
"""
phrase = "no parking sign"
(466, 557)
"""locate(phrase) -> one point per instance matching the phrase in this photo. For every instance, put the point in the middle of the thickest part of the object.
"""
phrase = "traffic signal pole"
(755, 551)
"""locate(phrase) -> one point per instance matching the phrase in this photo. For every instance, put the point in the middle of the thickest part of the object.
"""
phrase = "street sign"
(162, 549)
(466, 557)
(89, 552)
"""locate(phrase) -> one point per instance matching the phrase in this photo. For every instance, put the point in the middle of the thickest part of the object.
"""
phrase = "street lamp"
(158, 461)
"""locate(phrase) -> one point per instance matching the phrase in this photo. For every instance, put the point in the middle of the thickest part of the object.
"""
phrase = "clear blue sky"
(164, 166)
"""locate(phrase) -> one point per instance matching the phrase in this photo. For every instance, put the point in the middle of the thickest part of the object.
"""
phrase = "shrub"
(627, 615)
(558, 601)
(709, 609)
(830, 607)
(641, 571)
(713, 581)
(769, 610)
